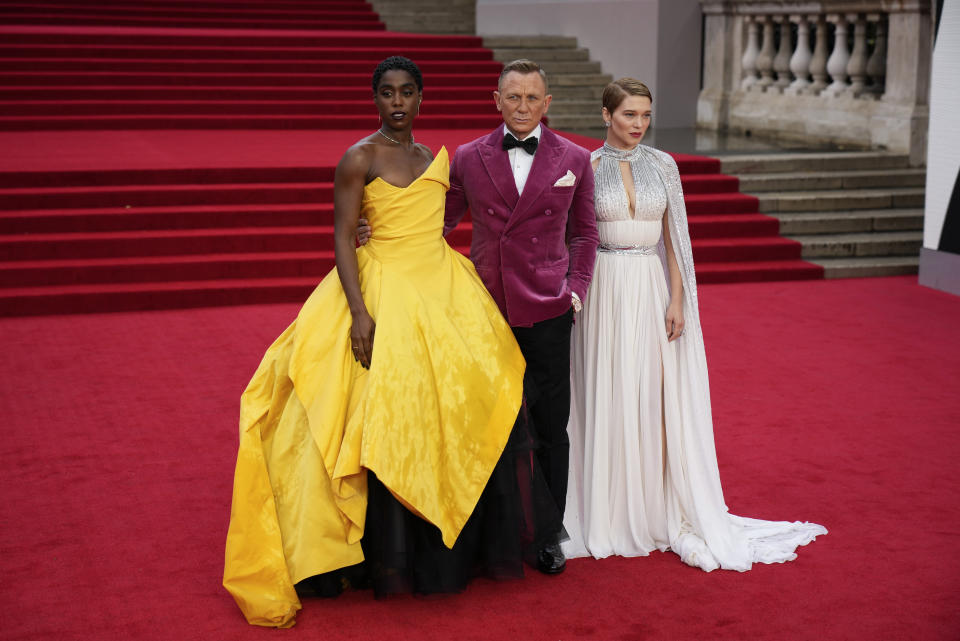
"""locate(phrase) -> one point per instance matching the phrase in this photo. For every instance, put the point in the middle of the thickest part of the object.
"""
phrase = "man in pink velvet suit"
(530, 195)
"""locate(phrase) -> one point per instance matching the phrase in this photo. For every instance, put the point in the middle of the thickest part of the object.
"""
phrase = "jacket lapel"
(497, 164)
(549, 155)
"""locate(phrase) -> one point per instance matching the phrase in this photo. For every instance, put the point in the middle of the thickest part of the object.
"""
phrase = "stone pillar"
(781, 62)
(857, 67)
(765, 57)
(837, 64)
(800, 61)
(818, 64)
(908, 72)
(749, 60)
(722, 34)
(908, 76)
(877, 64)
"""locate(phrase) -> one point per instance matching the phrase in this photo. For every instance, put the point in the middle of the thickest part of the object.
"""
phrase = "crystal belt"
(630, 250)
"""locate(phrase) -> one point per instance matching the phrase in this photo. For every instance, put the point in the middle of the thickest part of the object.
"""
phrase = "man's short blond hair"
(524, 66)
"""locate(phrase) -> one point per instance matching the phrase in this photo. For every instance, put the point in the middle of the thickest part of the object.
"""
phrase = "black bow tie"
(529, 145)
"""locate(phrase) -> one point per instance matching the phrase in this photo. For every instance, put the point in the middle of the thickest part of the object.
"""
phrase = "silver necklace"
(396, 142)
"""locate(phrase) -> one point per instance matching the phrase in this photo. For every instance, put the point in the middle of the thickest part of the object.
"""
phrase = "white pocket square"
(568, 180)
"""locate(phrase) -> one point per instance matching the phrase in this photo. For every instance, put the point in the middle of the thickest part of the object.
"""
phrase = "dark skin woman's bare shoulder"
(358, 159)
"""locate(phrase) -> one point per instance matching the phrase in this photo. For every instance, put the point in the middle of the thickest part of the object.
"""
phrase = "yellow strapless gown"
(430, 417)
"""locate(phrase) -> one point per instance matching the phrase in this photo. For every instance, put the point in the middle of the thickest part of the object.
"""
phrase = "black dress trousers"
(546, 348)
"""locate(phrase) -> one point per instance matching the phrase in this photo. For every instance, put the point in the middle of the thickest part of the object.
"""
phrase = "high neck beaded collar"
(623, 155)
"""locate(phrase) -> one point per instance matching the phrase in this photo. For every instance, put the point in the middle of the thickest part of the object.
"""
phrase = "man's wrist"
(575, 301)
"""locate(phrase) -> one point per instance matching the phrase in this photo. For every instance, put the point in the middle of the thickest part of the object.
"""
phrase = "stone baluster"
(877, 64)
(800, 61)
(837, 64)
(857, 67)
(749, 60)
(765, 57)
(818, 63)
(781, 62)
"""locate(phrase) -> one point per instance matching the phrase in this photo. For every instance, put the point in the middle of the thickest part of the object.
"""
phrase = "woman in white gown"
(643, 468)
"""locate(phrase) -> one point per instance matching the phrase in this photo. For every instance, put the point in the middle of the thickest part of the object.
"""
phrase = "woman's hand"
(363, 231)
(361, 338)
(674, 321)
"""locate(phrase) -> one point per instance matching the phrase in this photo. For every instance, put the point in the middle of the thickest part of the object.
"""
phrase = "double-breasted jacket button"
(490, 211)
(547, 212)
(534, 240)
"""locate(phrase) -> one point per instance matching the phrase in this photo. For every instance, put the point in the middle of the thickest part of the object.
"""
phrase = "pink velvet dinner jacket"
(530, 250)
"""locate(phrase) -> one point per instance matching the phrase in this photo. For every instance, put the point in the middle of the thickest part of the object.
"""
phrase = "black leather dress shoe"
(550, 559)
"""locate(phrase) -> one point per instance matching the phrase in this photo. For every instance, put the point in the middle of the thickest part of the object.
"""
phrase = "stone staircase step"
(868, 266)
(436, 24)
(585, 93)
(825, 161)
(837, 200)
(407, 6)
(423, 15)
(542, 55)
(854, 213)
(530, 42)
(574, 106)
(566, 67)
(428, 16)
(570, 121)
(580, 79)
(899, 243)
(864, 220)
(576, 82)
(821, 180)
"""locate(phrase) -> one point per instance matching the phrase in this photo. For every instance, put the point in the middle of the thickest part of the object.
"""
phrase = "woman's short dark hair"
(617, 91)
(399, 63)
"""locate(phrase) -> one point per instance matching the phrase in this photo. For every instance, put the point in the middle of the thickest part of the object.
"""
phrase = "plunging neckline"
(631, 202)
(422, 174)
(628, 156)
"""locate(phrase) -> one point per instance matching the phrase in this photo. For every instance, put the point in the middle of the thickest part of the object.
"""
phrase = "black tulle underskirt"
(514, 518)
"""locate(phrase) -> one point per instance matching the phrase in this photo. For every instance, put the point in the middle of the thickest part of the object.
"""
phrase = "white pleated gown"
(620, 359)
(632, 487)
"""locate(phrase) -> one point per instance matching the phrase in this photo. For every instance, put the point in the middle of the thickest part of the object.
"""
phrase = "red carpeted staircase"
(69, 79)
(218, 231)
(732, 241)
(186, 14)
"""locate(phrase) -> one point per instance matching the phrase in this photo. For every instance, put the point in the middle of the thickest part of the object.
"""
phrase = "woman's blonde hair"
(618, 90)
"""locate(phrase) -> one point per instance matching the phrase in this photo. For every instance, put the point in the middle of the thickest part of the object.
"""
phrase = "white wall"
(655, 41)
(940, 268)
(943, 144)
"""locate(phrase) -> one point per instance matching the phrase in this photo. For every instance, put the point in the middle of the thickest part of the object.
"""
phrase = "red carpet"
(174, 154)
(834, 401)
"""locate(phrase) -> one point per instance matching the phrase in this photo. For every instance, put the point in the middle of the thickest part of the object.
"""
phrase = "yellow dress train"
(430, 417)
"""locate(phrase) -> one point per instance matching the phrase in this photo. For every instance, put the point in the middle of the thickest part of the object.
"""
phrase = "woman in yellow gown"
(420, 420)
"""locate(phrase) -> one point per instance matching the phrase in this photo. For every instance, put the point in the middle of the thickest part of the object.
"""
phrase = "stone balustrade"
(858, 71)
(853, 72)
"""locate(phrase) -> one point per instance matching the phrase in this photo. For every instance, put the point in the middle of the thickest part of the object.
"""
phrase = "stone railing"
(850, 72)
